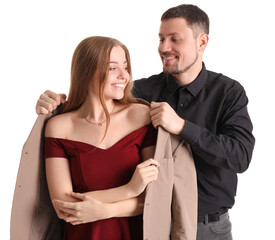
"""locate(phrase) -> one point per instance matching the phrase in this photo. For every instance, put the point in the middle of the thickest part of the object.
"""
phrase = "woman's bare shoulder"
(58, 126)
(140, 113)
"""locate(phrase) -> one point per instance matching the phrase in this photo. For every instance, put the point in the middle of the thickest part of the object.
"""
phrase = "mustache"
(167, 53)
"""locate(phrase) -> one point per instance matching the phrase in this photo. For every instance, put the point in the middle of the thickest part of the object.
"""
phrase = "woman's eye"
(112, 69)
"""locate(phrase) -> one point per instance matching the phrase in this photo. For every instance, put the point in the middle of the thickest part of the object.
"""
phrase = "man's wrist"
(181, 127)
(191, 132)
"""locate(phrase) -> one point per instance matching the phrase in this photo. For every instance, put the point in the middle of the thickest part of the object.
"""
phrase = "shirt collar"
(172, 84)
(194, 87)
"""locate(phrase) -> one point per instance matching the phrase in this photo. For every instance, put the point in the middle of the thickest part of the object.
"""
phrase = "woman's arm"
(145, 172)
(86, 207)
(82, 206)
(59, 180)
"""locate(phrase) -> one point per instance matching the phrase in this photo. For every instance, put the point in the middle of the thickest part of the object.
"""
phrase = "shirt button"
(181, 105)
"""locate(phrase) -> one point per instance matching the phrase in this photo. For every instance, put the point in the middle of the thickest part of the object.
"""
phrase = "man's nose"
(165, 46)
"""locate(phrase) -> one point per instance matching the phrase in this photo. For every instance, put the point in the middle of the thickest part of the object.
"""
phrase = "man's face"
(178, 46)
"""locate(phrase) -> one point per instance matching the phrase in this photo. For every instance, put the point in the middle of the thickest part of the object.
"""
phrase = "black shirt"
(218, 129)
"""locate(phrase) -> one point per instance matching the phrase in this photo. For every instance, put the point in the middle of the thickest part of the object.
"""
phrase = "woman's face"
(117, 75)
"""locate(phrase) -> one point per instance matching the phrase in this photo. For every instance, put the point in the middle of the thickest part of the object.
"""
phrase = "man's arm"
(231, 148)
(232, 145)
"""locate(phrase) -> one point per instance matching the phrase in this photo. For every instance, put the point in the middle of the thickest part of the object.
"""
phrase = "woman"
(96, 144)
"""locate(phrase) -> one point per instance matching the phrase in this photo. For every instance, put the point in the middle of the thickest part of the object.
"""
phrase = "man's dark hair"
(194, 16)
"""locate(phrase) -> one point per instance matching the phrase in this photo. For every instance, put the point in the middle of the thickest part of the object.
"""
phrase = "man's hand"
(162, 114)
(48, 102)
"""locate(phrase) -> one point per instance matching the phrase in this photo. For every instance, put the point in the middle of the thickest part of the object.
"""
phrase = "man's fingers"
(156, 121)
(158, 105)
(155, 116)
(56, 97)
(154, 105)
(157, 112)
(52, 95)
(48, 101)
(43, 111)
(62, 97)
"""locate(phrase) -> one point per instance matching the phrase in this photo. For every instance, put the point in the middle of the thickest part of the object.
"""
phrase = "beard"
(176, 69)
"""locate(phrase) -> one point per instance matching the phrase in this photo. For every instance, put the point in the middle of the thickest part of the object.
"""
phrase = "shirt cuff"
(190, 133)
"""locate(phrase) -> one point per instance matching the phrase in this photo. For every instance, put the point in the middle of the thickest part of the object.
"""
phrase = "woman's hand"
(145, 173)
(87, 209)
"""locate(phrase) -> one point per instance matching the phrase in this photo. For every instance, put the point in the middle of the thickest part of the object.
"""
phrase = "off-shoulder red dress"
(93, 169)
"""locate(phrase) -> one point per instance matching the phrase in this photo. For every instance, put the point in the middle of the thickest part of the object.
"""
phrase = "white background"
(36, 45)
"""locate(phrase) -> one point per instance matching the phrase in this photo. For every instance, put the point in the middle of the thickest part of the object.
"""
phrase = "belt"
(212, 217)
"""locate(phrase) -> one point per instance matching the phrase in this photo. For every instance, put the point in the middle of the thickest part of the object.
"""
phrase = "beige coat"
(33, 217)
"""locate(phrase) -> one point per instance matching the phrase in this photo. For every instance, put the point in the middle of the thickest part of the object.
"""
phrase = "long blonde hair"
(90, 62)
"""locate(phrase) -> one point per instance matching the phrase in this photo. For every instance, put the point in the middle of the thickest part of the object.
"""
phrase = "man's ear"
(202, 41)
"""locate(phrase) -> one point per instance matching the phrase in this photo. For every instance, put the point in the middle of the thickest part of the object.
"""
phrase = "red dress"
(93, 169)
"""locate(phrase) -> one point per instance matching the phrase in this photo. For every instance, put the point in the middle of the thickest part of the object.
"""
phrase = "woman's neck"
(93, 110)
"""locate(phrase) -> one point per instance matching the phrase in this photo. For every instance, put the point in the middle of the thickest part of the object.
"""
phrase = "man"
(207, 110)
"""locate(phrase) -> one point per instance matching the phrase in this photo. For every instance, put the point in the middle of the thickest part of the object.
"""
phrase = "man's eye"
(175, 40)
(161, 40)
